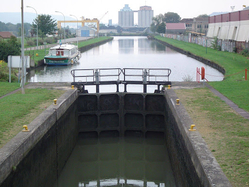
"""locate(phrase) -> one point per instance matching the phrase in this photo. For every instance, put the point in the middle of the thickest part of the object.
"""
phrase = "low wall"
(192, 162)
(36, 158)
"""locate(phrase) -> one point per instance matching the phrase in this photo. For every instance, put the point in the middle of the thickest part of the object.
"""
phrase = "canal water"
(123, 161)
(118, 162)
(129, 52)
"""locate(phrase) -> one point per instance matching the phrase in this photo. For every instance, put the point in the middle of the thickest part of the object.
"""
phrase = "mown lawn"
(20, 109)
(234, 86)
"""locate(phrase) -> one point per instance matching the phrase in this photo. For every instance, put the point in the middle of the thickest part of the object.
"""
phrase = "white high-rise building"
(145, 15)
(126, 17)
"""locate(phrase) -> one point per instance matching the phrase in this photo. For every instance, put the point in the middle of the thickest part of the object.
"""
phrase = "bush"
(245, 52)
(30, 43)
(40, 42)
(4, 73)
(49, 40)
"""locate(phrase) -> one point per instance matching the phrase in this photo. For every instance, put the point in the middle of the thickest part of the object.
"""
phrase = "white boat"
(62, 55)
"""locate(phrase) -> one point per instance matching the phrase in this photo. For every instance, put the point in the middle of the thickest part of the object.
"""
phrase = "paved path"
(235, 107)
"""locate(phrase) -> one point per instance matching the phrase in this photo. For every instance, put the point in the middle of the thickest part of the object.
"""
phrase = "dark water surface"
(129, 52)
(118, 162)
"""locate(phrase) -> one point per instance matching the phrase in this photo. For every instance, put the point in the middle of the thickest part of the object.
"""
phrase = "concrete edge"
(207, 167)
(18, 147)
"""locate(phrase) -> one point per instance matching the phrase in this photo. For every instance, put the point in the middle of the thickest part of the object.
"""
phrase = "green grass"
(234, 85)
(15, 106)
(228, 136)
(6, 87)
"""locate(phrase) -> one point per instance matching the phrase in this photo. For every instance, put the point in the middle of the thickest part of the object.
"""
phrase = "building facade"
(126, 17)
(230, 26)
(145, 15)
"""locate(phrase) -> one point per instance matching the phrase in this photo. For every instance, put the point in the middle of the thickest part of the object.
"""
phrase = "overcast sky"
(98, 8)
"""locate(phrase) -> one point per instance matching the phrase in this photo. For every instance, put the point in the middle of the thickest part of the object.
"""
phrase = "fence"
(225, 45)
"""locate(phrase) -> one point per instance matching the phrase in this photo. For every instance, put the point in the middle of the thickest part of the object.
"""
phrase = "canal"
(129, 52)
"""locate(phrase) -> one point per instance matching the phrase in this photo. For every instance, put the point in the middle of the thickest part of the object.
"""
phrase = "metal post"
(76, 29)
(97, 80)
(64, 25)
(145, 73)
(36, 27)
(22, 49)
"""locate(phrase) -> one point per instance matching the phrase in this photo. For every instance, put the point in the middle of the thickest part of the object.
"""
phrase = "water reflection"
(118, 162)
(129, 52)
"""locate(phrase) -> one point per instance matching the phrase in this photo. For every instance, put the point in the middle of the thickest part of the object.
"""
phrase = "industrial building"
(145, 15)
(230, 26)
(126, 17)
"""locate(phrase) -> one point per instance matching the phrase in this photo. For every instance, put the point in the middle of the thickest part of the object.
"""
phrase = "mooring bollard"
(177, 101)
(25, 128)
(192, 128)
(55, 101)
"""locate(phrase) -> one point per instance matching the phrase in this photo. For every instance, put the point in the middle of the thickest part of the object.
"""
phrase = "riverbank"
(224, 130)
(232, 65)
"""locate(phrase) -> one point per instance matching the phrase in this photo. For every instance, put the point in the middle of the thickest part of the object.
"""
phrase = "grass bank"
(21, 109)
(234, 85)
(225, 132)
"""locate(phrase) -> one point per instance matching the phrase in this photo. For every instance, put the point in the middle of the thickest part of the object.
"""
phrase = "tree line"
(159, 22)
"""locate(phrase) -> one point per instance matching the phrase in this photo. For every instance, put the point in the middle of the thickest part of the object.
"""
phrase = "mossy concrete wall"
(36, 158)
(192, 162)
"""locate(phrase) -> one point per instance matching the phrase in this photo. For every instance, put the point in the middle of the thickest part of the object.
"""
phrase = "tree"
(46, 25)
(203, 16)
(171, 17)
(9, 47)
(161, 28)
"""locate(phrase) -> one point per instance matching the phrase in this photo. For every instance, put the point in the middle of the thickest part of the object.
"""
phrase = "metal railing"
(104, 76)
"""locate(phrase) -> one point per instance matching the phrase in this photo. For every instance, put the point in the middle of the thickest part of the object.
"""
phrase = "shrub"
(245, 52)
(30, 43)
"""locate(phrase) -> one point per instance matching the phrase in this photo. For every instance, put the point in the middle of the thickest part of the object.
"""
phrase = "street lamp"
(36, 27)
(64, 24)
(77, 28)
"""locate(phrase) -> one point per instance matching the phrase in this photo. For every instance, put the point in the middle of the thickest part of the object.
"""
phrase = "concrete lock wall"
(192, 162)
(36, 158)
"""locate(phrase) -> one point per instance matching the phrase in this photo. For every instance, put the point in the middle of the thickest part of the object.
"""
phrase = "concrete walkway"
(235, 107)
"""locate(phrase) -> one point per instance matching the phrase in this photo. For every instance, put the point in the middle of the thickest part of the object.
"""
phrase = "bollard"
(55, 101)
(246, 74)
(192, 128)
(177, 101)
(25, 128)
(169, 86)
(72, 86)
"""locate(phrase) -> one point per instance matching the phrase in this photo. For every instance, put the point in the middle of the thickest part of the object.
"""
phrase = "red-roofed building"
(175, 28)
(6, 35)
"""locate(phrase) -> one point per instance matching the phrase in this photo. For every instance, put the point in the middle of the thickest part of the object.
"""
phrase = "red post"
(245, 74)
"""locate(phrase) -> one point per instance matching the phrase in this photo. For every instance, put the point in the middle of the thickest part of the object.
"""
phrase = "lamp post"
(36, 27)
(22, 49)
(64, 24)
(76, 29)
